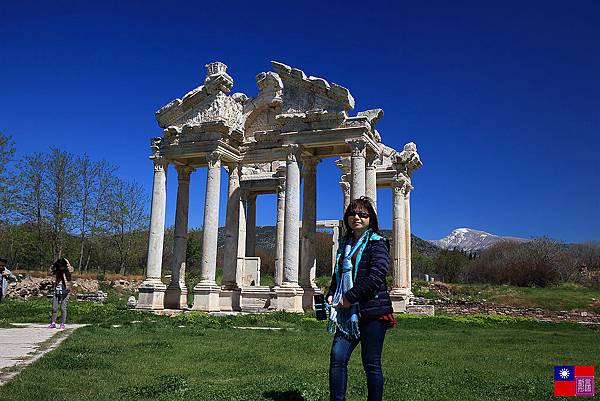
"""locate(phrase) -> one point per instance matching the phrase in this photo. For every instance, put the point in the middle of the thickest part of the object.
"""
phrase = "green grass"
(567, 296)
(425, 358)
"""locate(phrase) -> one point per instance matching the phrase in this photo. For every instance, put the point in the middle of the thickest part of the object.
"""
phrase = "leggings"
(64, 300)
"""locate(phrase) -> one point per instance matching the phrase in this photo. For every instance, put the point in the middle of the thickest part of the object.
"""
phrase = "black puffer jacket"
(370, 288)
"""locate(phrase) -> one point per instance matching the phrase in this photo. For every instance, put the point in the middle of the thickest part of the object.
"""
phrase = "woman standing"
(361, 309)
(61, 270)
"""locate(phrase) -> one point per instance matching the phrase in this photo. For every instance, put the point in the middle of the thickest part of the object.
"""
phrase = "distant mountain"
(470, 240)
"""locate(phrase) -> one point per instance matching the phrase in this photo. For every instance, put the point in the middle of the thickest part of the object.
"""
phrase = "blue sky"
(502, 99)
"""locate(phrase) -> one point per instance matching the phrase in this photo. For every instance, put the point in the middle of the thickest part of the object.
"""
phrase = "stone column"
(279, 231)
(230, 293)
(407, 238)
(371, 179)
(346, 191)
(206, 292)
(308, 260)
(335, 246)
(289, 295)
(400, 292)
(152, 289)
(357, 169)
(251, 225)
(176, 294)
(241, 240)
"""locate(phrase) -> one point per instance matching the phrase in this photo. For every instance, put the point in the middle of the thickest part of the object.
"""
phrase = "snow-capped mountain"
(471, 240)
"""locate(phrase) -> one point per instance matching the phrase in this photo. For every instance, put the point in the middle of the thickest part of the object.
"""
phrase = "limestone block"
(251, 276)
(206, 297)
(229, 300)
(176, 298)
(255, 299)
(152, 296)
(289, 298)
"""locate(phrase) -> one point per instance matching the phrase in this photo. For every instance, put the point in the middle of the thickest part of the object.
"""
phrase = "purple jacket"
(370, 288)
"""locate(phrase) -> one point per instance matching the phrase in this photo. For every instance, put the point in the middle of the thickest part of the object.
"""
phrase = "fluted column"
(400, 292)
(289, 295)
(176, 294)
(371, 179)
(232, 222)
(241, 248)
(280, 232)
(152, 289)
(308, 260)
(357, 168)
(407, 237)
(251, 225)
(206, 292)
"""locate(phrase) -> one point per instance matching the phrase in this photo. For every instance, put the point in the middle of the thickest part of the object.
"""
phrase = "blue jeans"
(372, 333)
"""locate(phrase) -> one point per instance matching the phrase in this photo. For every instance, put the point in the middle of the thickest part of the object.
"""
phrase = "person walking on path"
(61, 270)
(5, 277)
(361, 309)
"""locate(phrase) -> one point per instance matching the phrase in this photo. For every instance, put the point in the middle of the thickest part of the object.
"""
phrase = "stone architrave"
(308, 260)
(206, 292)
(176, 294)
(371, 179)
(152, 289)
(357, 169)
(289, 294)
(280, 232)
(229, 296)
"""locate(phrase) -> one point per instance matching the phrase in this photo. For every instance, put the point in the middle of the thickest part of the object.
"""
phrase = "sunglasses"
(362, 215)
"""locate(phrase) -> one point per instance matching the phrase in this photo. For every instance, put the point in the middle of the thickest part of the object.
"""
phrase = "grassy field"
(199, 357)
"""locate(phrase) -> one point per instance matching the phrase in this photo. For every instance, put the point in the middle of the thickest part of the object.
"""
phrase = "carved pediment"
(206, 104)
(302, 93)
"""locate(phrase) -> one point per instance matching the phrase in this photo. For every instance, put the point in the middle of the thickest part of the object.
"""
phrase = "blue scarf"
(346, 320)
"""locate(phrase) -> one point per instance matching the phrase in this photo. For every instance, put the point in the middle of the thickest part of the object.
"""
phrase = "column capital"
(345, 186)
(184, 172)
(408, 160)
(293, 152)
(399, 184)
(160, 163)
(371, 158)
(309, 165)
(213, 159)
(358, 147)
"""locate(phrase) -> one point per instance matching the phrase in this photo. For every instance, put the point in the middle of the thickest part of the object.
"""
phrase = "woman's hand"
(330, 299)
(344, 303)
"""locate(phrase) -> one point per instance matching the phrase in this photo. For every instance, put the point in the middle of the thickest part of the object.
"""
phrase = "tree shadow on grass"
(291, 395)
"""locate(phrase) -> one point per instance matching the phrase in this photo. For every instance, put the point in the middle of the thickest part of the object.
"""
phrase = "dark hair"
(362, 203)
(61, 262)
(2, 260)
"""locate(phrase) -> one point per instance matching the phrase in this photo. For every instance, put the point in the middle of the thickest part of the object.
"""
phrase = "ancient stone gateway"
(268, 144)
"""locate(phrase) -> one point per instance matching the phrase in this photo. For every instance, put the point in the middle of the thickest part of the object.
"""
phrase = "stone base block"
(229, 299)
(152, 295)
(307, 297)
(206, 297)
(255, 299)
(428, 310)
(289, 298)
(400, 299)
(176, 298)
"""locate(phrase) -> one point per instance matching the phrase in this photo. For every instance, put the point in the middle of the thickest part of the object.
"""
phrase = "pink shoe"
(62, 326)
(52, 326)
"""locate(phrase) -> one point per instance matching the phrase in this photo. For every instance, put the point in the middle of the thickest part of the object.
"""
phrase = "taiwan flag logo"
(573, 381)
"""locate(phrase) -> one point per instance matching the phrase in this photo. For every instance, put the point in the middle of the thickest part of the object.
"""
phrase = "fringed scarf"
(346, 320)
